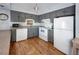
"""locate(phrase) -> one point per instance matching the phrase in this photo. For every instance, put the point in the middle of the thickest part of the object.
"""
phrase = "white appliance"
(63, 33)
(43, 33)
(21, 34)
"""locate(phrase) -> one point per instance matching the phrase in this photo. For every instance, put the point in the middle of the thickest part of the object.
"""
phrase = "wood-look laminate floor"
(33, 46)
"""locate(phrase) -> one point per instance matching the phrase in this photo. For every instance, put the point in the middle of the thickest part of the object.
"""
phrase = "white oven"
(43, 33)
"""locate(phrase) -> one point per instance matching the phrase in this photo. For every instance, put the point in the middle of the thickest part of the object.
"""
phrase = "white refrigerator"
(63, 34)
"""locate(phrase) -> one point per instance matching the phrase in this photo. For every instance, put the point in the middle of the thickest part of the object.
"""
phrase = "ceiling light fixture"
(36, 8)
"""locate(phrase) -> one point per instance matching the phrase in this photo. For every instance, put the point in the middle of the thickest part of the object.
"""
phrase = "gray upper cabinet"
(22, 17)
(14, 16)
(39, 18)
(17, 16)
(35, 17)
(28, 16)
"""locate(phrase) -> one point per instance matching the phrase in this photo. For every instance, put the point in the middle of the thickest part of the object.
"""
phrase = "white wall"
(5, 24)
(77, 20)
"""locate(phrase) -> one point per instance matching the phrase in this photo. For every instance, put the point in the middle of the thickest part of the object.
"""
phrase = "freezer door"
(65, 23)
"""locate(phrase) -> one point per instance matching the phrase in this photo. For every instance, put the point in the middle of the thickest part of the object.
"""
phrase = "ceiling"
(42, 7)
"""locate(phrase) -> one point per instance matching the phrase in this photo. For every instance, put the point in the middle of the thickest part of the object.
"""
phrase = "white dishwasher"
(43, 33)
(21, 34)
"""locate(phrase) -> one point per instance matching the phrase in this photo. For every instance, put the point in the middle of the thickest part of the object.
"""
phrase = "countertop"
(21, 27)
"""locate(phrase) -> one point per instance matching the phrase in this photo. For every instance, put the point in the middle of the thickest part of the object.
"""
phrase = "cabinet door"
(13, 35)
(21, 17)
(39, 17)
(28, 16)
(35, 31)
(50, 35)
(14, 16)
(35, 17)
(30, 32)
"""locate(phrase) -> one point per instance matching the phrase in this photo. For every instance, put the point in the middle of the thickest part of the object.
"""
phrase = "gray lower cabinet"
(13, 35)
(36, 32)
(32, 31)
(50, 35)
